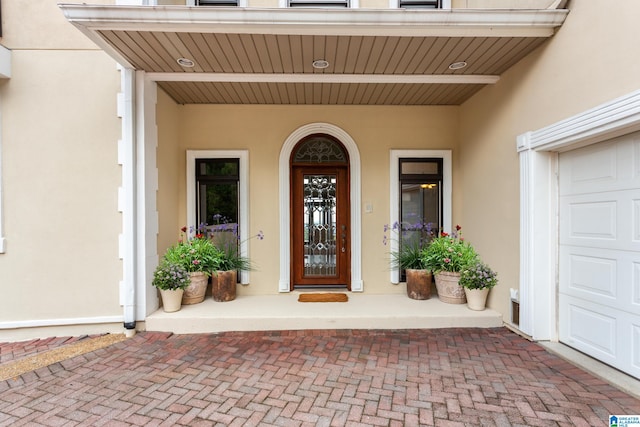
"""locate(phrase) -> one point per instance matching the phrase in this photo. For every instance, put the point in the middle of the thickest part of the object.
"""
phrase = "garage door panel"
(605, 276)
(589, 274)
(613, 165)
(589, 327)
(602, 220)
(592, 219)
(635, 345)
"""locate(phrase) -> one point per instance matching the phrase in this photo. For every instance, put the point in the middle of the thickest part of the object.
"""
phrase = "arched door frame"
(355, 195)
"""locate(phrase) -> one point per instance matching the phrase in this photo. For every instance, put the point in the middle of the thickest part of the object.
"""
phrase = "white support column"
(127, 196)
(5, 73)
(146, 195)
(538, 241)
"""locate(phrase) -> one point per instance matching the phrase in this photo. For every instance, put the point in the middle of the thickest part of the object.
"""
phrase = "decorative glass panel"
(320, 149)
(320, 225)
(425, 167)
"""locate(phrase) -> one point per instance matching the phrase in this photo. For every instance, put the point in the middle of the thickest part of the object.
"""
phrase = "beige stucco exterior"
(576, 70)
(60, 170)
(262, 131)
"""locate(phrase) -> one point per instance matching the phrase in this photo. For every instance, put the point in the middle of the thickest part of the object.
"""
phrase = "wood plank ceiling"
(254, 67)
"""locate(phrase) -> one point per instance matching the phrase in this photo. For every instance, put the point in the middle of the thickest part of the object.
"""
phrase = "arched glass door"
(320, 234)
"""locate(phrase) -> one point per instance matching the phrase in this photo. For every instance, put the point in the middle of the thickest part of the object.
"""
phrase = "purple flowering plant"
(478, 276)
(170, 276)
(412, 240)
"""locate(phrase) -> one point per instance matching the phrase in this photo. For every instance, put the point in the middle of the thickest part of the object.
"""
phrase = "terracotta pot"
(194, 293)
(419, 284)
(449, 290)
(223, 285)
(171, 299)
(476, 298)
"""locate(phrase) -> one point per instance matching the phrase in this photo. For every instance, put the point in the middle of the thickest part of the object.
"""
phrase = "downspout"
(127, 198)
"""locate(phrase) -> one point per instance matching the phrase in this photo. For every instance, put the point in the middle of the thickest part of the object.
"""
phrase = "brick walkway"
(442, 377)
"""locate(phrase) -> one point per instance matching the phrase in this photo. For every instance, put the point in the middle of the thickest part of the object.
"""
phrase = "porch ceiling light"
(320, 64)
(186, 62)
(457, 65)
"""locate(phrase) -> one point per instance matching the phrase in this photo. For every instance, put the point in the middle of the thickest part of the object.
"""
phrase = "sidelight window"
(420, 201)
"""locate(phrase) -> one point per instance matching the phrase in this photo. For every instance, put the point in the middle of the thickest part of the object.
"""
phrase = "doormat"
(325, 297)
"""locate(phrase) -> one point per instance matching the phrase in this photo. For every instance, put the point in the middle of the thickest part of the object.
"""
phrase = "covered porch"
(284, 312)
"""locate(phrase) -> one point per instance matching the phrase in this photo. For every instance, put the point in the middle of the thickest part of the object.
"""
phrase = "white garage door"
(599, 265)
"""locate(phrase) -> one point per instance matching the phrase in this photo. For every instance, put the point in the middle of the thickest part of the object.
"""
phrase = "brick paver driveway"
(442, 377)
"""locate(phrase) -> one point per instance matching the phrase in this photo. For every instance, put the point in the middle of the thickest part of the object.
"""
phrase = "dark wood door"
(320, 234)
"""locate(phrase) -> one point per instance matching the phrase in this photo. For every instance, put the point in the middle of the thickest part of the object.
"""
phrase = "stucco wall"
(60, 180)
(589, 61)
(263, 129)
(59, 173)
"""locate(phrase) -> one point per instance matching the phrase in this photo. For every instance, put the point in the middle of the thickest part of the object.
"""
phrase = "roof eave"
(381, 22)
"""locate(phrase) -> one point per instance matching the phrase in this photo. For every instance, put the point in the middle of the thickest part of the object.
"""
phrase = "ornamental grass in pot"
(447, 256)
(412, 240)
(226, 238)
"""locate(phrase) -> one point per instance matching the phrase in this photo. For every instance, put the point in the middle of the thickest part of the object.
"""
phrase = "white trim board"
(394, 193)
(3, 241)
(538, 152)
(355, 192)
(243, 155)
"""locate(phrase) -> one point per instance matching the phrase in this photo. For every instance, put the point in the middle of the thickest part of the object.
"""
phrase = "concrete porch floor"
(284, 312)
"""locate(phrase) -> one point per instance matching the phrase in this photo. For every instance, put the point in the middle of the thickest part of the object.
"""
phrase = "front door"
(320, 234)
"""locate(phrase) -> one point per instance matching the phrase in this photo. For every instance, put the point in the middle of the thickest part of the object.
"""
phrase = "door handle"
(343, 235)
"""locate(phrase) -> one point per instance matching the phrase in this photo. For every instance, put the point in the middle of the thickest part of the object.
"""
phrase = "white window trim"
(538, 151)
(243, 155)
(394, 193)
(355, 193)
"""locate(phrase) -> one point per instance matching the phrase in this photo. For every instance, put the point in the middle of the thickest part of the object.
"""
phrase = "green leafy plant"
(413, 239)
(194, 253)
(449, 252)
(170, 276)
(478, 276)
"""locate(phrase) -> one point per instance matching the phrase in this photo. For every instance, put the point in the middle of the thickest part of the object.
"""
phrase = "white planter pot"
(476, 298)
(171, 299)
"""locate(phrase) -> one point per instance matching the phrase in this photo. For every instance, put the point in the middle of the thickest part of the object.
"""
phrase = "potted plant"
(225, 238)
(171, 279)
(412, 241)
(477, 280)
(447, 255)
(197, 255)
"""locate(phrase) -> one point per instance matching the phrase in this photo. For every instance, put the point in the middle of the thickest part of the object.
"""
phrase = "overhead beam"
(323, 78)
